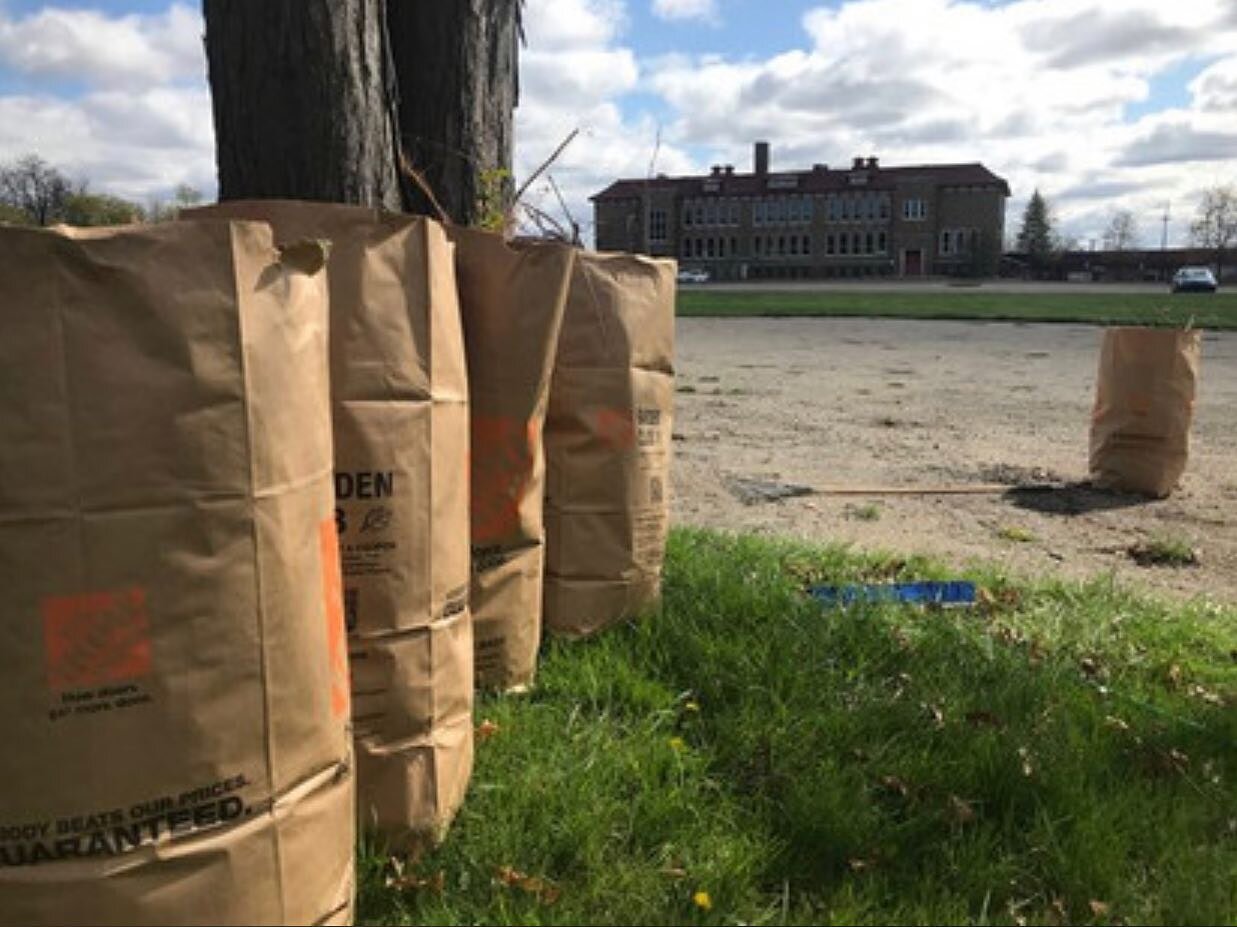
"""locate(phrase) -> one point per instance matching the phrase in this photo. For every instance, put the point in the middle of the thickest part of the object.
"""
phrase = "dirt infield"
(768, 403)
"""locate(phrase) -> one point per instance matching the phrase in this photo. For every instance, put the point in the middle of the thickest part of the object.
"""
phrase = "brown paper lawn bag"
(172, 652)
(400, 405)
(1144, 408)
(511, 299)
(608, 433)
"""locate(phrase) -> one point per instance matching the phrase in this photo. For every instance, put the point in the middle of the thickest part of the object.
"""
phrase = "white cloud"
(1039, 90)
(573, 72)
(95, 49)
(685, 9)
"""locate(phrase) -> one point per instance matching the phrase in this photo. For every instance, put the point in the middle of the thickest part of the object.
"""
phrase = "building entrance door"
(912, 263)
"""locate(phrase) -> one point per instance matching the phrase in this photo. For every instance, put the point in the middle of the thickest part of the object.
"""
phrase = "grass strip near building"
(1208, 310)
(1062, 753)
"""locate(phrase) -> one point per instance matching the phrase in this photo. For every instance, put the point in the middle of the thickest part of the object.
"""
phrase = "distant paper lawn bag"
(511, 299)
(400, 404)
(172, 654)
(1144, 408)
(608, 434)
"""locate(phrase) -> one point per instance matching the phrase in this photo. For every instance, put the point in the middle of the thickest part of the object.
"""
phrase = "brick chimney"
(857, 165)
(762, 158)
(729, 169)
(873, 162)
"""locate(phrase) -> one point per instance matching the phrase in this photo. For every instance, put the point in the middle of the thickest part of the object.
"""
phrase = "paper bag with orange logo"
(172, 656)
(1144, 407)
(608, 443)
(511, 300)
(400, 402)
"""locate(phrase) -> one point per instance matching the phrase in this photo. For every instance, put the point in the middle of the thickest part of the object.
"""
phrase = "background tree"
(1215, 223)
(35, 188)
(1122, 232)
(1037, 237)
(457, 81)
(100, 209)
(302, 100)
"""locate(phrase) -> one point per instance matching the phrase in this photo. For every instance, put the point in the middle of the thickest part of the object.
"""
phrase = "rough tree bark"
(301, 101)
(310, 96)
(456, 72)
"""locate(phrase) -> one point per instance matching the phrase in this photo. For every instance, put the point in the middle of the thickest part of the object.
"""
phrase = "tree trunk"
(456, 66)
(301, 101)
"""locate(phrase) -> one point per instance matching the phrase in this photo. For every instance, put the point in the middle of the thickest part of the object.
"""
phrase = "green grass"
(1165, 550)
(1057, 746)
(1215, 310)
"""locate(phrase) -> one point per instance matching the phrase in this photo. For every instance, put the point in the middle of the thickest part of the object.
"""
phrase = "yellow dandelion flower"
(676, 743)
(692, 706)
(703, 901)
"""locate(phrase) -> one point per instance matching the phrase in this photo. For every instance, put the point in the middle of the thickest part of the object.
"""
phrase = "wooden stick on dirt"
(930, 490)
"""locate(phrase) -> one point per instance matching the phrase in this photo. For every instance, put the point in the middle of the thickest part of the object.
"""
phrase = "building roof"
(817, 180)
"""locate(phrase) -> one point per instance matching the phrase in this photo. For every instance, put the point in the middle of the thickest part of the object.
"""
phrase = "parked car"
(693, 275)
(1194, 280)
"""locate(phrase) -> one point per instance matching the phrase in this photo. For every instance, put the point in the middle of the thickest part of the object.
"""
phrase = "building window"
(869, 243)
(686, 248)
(807, 244)
(885, 207)
(882, 242)
(830, 244)
(734, 247)
(657, 225)
(914, 210)
(687, 215)
(835, 208)
(844, 243)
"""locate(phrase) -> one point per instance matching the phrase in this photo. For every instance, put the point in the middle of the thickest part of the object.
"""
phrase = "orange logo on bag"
(96, 638)
(502, 467)
(333, 598)
(616, 428)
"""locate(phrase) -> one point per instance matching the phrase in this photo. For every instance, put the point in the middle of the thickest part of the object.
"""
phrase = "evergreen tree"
(1037, 237)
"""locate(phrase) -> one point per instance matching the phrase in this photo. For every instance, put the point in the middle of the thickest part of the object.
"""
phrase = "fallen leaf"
(1116, 723)
(935, 713)
(896, 785)
(1024, 754)
(674, 872)
(1211, 698)
(860, 863)
(508, 876)
(1090, 667)
(983, 719)
(1098, 908)
(961, 810)
(1174, 675)
(1058, 908)
(486, 729)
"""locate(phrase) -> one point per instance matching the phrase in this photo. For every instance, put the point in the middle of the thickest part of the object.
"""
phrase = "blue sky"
(1101, 104)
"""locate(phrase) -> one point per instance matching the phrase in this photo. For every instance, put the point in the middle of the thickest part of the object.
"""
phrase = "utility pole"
(1164, 233)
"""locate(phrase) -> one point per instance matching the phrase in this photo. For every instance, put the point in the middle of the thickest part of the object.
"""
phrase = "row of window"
(782, 210)
(857, 243)
(846, 207)
(782, 245)
(959, 241)
(858, 206)
(712, 212)
(710, 247)
(785, 245)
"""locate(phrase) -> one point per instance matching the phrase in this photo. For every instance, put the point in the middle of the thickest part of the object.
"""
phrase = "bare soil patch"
(812, 403)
